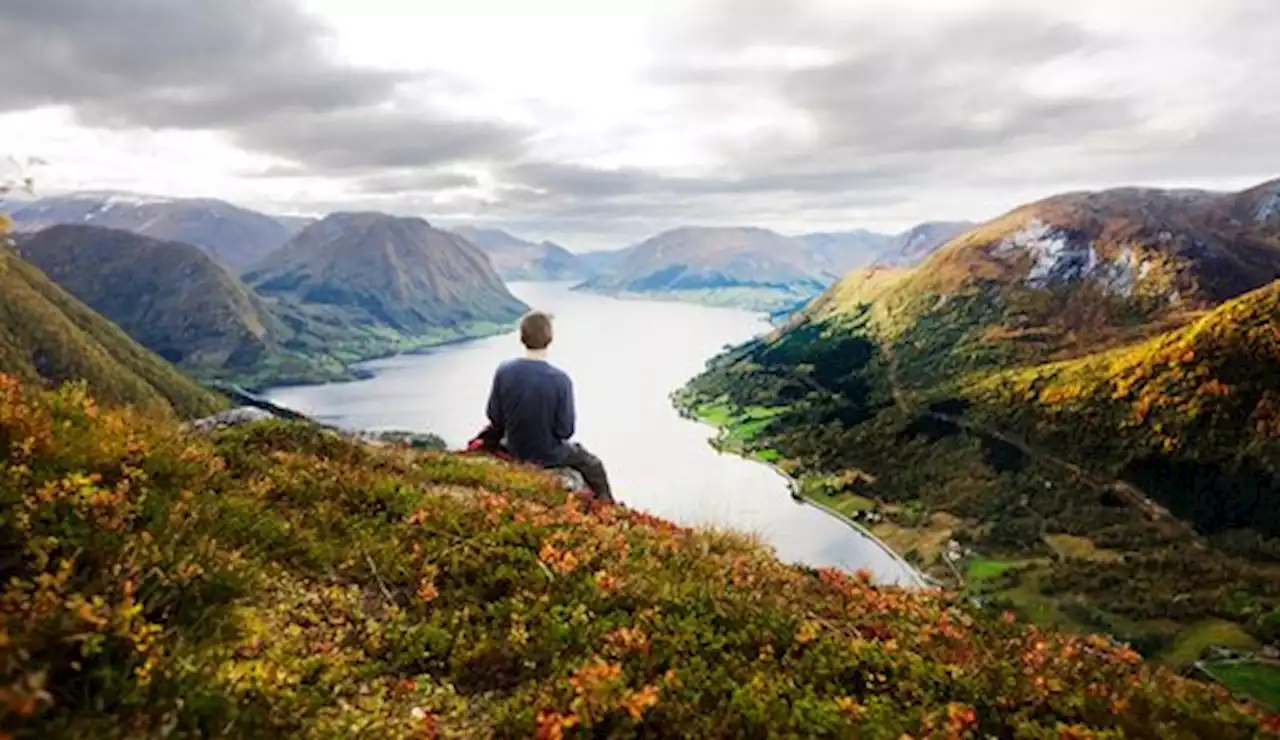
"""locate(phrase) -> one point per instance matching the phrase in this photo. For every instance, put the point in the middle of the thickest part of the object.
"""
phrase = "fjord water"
(625, 358)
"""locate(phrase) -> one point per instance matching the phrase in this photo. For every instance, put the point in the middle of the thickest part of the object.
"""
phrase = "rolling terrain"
(1080, 393)
(751, 267)
(275, 580)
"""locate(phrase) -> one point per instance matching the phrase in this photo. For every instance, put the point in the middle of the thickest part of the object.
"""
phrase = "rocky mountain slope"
(389, 281)
(1077, 273)
(516, 259)
(316, 586)
(1081, 392)
(233, 236)
(48, 335)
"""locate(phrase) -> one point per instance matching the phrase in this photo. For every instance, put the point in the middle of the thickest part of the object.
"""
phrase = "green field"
(1258, 681)
(981, 569)
(1191, 643)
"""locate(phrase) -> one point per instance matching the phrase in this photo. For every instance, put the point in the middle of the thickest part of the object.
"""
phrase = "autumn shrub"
(278, 580)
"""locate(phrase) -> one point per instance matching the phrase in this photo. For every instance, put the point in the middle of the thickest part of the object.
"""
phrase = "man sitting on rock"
(531, 410)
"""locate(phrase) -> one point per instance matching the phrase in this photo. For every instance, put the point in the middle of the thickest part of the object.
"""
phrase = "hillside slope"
(395, 280)
(1077, 273)
(233, 236)
(1064, 393)
(1193, 414)
(318, 587)
(46, 334)
(517, 259)
(171, 297)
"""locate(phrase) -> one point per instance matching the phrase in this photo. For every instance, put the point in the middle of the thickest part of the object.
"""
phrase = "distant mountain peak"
(376, 269)
(518, 259)
(232, 235)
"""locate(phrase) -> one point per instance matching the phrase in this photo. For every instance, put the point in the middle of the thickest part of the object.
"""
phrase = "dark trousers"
(592, 471)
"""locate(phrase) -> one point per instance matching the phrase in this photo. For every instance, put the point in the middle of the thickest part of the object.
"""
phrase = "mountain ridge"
(174, 299)
(233, 235)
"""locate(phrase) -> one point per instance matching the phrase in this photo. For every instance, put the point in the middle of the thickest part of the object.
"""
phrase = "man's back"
(532, 401)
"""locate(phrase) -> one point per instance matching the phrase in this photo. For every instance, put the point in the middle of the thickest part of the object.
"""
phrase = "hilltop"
(48, 335)
(516, 259)
(369, 283)
(277, 580)
(1077, 395)
(233, 236)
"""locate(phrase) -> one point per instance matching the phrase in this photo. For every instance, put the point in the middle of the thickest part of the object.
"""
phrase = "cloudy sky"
(598, 122)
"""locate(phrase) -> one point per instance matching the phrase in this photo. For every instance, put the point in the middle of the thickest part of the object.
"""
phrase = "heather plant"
(276, 579)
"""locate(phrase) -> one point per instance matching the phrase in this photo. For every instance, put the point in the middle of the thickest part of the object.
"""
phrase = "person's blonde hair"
(535, 330)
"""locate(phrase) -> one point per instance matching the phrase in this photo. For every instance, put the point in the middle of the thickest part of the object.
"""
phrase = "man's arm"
(494, 410)
(564, 422)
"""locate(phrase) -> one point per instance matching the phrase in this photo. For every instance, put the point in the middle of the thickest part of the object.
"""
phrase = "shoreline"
(793, 486)
(352, 374)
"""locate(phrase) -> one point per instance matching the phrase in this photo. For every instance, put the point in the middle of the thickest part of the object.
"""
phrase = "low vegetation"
(1020, 464)
(277, 580)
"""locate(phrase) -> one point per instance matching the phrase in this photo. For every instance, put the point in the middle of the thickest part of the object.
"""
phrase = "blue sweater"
(532, 403)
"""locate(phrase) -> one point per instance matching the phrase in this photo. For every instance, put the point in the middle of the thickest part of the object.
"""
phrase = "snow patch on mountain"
(1060, 256)
(1057, 256)
(1269, 206)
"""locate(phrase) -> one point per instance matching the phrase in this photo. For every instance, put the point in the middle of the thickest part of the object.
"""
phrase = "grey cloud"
(344, 141)
(255, 69)
(187, 62)
(414, 181)
(906, 108)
